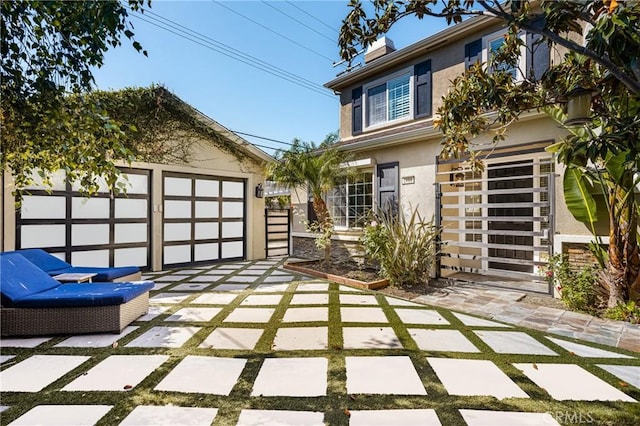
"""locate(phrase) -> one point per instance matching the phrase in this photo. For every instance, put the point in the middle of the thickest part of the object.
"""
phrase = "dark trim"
(472, 53)
(423, 89)
(356, 111)
(192, 242)
(111, 221)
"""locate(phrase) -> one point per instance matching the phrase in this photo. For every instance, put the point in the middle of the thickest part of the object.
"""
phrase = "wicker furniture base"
(72, 320)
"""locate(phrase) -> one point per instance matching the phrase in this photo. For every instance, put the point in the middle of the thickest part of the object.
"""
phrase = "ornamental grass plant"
(403, 246)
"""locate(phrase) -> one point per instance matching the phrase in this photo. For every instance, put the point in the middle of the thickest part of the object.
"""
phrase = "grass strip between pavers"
(337, 404)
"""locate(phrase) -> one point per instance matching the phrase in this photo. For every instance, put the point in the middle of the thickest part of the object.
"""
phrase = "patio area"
(251, 343)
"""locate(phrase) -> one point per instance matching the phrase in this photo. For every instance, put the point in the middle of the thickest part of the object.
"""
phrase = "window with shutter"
(423, 89)
(472, 53)
(356, 111)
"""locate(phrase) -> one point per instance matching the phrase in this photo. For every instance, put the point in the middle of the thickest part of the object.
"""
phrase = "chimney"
(379, 48)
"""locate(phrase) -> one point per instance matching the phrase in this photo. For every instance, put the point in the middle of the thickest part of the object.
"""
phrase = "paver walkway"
(252, 344)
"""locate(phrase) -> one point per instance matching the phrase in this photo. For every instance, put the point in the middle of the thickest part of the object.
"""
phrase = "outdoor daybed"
(33, 303)
(55, 266)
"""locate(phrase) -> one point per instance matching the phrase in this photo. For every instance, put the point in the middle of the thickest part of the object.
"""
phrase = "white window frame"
(346, 196)
(406, 72)
(522, 63)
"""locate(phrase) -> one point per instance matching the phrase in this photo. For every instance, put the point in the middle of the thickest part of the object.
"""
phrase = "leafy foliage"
(604, 153)
(404, 247)
(579, 290)
(629, 312)
(306, 167)
(48, 51)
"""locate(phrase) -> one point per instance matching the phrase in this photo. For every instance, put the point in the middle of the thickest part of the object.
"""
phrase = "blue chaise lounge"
(55, 266)
(33, 303)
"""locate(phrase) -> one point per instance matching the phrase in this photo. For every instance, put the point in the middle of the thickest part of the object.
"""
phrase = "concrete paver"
(357, 347)
(58, 415)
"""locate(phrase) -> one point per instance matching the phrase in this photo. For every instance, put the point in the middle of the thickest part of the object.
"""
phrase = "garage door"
(97, 231)
(204, 219)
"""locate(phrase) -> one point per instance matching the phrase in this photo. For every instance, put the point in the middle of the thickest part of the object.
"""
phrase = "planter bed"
(304, 267)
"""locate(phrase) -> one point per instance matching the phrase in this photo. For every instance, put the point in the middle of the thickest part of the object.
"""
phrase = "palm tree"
(306, 167)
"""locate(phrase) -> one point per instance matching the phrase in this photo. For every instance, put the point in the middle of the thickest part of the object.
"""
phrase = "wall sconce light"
(457, 177)
(578, 106)
(259, 191)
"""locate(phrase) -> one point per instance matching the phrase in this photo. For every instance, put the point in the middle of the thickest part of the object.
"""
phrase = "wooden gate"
(278, 232)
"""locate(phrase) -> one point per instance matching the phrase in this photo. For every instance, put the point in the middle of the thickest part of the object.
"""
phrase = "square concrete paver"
(382, 375)
(416, 417)
(442, 340)
(231, 287)
(117, 373)
(154, 415)
(214, 299)
(506, 418)
(401, 302)
(242, 279)
(292, 377)
(169, 298)
(171, 278)
(627, 373)
(478, 322)
(206, 279)
(421, 316)
(159, 286)
(586, 351)
(18, 342)
(190, 287)
(571, 382)
(474, 377)
(94, 340)
(262, 299)
(37, 372)
(194, 314)
(301, 338)
(310, 299)
(280, 418)
(370, 338)
(312, 287)
(310, 314)
(363, 315)
(348, 289)
(233, 338)
(251, 315)
(58, 415)
(153, 312)
(163, 337)
(513, 342)
(203, 374)
(267, 287)
(5, 358)
(358, 299)
(278, 279)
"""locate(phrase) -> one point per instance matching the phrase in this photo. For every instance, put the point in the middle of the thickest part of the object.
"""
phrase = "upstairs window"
(492, 44)
(389, 101)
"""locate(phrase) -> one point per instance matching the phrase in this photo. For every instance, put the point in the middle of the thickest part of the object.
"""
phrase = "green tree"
(318, 171)
(49, 49)
(606, 153)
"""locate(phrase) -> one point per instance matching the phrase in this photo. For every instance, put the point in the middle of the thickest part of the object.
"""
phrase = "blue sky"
(297, 39)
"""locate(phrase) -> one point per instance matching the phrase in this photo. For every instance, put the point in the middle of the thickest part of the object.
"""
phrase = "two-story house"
(503, 221)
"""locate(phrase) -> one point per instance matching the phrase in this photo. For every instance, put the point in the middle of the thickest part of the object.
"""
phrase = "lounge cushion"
(82, 295)
(20, 278)
(43, 260)
(54, 266)
(103, 274)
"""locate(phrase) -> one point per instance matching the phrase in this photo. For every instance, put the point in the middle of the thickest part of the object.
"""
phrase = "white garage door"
(98, 231)
(204, 219)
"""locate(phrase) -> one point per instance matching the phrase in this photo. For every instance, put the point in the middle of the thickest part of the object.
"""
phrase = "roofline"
(420, 47)
(253, 150)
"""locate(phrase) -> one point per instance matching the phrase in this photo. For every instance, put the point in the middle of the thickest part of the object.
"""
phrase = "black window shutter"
(472, 53)
(538, 52)
(423, 89)
(356, 110)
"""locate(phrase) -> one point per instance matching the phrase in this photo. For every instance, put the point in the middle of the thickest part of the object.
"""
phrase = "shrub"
(629, 312)
(579, 290)
(403, 247)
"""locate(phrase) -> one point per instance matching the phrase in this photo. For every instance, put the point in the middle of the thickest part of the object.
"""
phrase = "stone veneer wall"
(305, 248)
